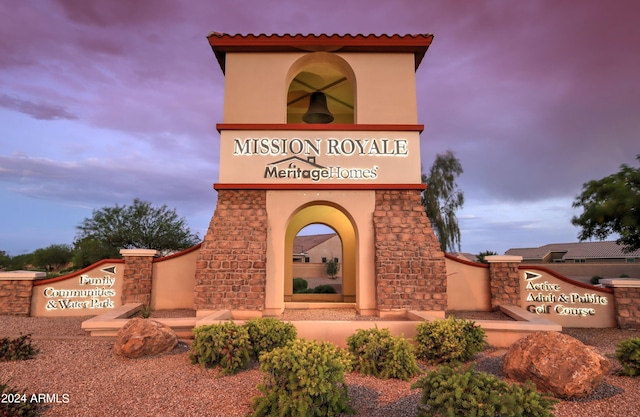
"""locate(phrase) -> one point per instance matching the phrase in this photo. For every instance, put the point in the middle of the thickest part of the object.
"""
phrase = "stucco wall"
(174, 280)
(256, 85)
(329, 249)
(312, 270)
(468, 286)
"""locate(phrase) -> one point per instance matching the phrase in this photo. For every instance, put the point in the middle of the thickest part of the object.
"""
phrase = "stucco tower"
(285, 163)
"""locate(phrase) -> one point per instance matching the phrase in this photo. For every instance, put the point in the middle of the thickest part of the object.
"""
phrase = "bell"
(318, 111)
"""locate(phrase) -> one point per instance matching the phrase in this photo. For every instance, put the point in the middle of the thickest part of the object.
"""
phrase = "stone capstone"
(144, 337)
(556, 364)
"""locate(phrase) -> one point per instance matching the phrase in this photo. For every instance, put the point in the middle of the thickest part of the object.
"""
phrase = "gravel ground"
(90, 380)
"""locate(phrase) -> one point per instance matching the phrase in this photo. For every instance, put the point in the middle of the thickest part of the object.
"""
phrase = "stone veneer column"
(137, 275)
(231, 268)
(626, 293)
(504, 279)
(16, 288)
(410, 267)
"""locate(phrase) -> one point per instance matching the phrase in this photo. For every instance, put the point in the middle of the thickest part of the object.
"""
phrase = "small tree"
(53, 257)
(332, 268)
(88, 251)
(481, 256)
(23, 261)
(138, 226)
(442, 198)
(611, 205)
(5, 260)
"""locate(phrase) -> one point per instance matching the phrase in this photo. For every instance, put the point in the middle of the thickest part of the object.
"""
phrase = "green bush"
(145, 312)
(324, 289)
(304, 378)
(453, 392)
(628, 353)
(320, 289)
(16, 349)
(595, 280)
(267, 333)
(624, 276)
(299, 284)
(225, 345)
(332, 268)
(16, 403)
(376, 352)
(448, 340)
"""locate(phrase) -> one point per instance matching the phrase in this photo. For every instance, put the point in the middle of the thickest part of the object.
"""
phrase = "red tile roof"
(222, 43)
(301, 244)
(578, 250)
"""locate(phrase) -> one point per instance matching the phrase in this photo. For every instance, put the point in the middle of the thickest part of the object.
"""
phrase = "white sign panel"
(286, 157)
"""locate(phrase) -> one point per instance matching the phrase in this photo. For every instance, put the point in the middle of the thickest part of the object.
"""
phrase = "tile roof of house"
(302, 244)
(466, 256)
(577, 250)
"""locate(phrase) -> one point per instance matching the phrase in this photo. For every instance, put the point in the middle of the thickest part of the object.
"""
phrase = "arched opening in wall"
(343, 247)
(325, 73)
(317, 260)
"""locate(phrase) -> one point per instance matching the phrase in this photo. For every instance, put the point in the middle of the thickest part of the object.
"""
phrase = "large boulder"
(556, 363)
(144, 337)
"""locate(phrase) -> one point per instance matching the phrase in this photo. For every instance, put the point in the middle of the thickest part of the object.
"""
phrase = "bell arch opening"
(326, 74)
(329, 215)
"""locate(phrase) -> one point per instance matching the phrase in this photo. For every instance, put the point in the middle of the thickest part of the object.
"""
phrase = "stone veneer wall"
(231, 268)
(627, 307)
(410, 267)
(137, 278)
(505, 284)
(16, 297)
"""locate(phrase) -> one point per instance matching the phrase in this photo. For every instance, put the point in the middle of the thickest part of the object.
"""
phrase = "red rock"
(557, 364)
(144, 337)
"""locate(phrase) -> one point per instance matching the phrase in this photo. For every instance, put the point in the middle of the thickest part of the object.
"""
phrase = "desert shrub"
(324, 289)
(628, 353)
(595, 280)
(448, 340)
(304, 378)
(267, 333)
(299, 284)
(320, 289)
(16, 349)
(145, 312)
(376, 352)
(332, 268)
(225, 345)
(16, 403)
(453, 392)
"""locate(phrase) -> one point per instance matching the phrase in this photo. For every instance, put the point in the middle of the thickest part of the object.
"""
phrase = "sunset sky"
(103, 101)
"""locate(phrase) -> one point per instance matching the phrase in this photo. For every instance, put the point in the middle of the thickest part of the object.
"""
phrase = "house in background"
(310, 254)
(583, 259)
(465, 256)
(317, 248)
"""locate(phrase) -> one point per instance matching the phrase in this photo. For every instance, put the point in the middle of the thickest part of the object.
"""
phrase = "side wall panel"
(467, 286)
(173, 282)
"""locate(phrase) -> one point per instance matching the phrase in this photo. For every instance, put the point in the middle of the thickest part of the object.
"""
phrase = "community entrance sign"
(312, 134)
(319, 158)
(566, 302)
